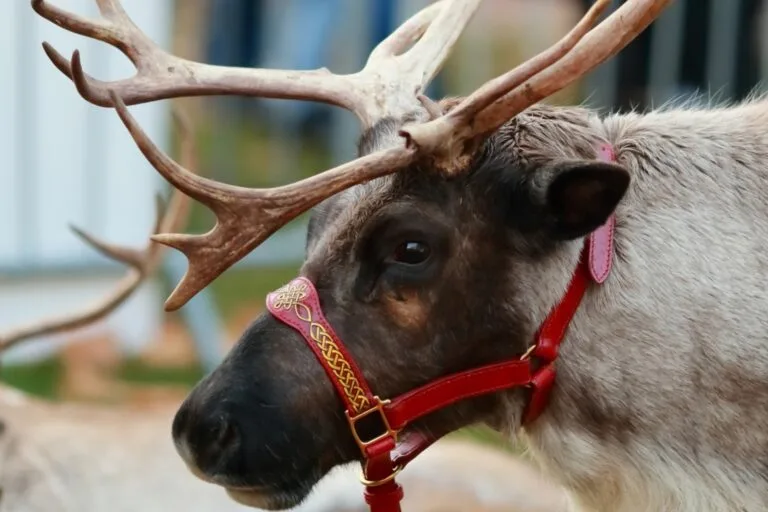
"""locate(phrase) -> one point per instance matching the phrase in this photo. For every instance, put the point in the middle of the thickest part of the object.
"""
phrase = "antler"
(389, 85)
(141, 264)
(160, 75)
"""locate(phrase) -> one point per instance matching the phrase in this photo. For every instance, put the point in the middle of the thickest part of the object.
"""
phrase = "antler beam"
(245, 217)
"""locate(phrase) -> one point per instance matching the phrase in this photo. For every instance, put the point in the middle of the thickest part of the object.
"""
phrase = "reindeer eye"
(411, 253)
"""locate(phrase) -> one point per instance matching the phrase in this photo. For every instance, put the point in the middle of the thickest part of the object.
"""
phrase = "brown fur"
(407, 310)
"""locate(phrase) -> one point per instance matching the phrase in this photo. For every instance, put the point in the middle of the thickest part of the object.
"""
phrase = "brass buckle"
(378, 407)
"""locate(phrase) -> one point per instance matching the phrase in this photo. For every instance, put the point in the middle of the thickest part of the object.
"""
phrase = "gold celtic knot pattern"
(292, 295)
(340, 366)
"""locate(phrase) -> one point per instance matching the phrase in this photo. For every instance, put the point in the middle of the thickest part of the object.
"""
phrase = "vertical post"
(666, 53)
(26, 77)
(722, 38)
(351, 50)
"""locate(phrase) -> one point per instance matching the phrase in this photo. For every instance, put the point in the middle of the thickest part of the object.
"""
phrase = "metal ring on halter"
(387, 479)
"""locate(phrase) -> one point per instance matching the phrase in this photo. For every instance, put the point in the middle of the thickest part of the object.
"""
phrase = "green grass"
(133, 371)
(37, 379)
(41, 378)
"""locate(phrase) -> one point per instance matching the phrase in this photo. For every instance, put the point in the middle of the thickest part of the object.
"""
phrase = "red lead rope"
(297, 305)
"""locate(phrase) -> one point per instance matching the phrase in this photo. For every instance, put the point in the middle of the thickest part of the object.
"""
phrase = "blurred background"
(69, 162)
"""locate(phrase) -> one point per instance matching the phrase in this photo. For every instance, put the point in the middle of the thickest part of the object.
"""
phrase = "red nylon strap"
(379, 467)
(447, 390)
(550, 337)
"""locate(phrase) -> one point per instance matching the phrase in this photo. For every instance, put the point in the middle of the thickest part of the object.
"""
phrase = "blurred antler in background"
(141, 263)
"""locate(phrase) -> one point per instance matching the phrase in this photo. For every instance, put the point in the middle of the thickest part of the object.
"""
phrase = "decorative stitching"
(293, 296)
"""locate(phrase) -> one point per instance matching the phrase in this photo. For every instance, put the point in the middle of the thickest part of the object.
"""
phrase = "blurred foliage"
(40, 378)
(247, 286)
(134, 371)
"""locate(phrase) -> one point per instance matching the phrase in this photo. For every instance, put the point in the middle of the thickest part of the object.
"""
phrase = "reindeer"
(586, 281)
(91, 458)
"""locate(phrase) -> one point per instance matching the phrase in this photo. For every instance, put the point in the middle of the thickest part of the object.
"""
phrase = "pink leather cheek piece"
(601, 240)
(601, 251)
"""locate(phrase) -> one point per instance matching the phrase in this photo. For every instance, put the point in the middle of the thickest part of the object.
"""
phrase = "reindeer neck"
(678, 330)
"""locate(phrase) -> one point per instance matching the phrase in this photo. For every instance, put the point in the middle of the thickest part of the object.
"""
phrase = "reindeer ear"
(579, 196)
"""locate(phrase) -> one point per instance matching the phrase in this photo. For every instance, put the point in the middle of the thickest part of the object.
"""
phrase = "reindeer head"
(438, 249)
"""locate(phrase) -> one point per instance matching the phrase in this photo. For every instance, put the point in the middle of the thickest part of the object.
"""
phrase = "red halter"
(298, 306)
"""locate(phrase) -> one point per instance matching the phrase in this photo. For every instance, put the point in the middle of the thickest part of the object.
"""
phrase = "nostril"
(213, 442)
(228, 435)
(206, 440)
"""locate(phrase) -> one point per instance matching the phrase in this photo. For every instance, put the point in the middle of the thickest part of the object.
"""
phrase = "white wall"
(66, 161)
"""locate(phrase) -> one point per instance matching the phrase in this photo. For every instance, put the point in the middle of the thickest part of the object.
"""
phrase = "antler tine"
(405, 35)
(434, 30)
(161, 75)
(245, 217)
(598, 45)
(428, 55)
(460, 117)
(141, 264)
(503, 97)
(409, 58)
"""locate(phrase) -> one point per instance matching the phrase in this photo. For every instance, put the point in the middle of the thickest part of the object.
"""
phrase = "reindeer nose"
(206, 440)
